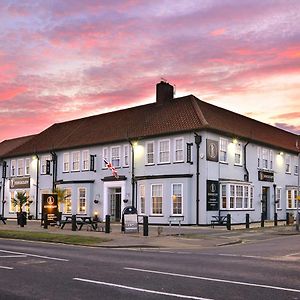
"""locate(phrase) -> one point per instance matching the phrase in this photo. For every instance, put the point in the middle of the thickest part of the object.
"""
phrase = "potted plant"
(61, 199)
(19, 201)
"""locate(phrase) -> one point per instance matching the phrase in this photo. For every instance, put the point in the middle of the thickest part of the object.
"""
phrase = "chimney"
(164, 92)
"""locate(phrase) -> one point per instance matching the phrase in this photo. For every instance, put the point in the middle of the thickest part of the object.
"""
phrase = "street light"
(133, 144)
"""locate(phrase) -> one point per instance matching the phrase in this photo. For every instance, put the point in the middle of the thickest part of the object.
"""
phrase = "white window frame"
(27, 166)
(82, 198)
(68, 200)
(44, 163)
(166, 151)
(158, 196)
(238, 151)
(13, 168)
(294, 201)
(75, 161)
(150, 154)
(223, 150)
(265, 157)
(85, 160)
(142, 206)
(179, 151)
(125, 155)
(287, 163)
(115, 159)
(259, 162)
(105, 155)
(278, 197)
(296, 165)
(66, 162)
(172, 199)
(20, 167)
(271, 163)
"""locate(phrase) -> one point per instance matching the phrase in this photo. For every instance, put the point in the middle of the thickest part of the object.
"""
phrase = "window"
(278, 198)
(75, 161)
(223, 150)
(142, 199)
(292, 199)
(12, 207)
(156, 195)
(287, 163)
(66, 162)
(115, 156)
(178, 150)
(82, 200)
(240, 196)
(20, 171)
(258, 157)
(105, 155)
(149, 153)
(68, 201)
(44, 163)
(271, 160)
(265, 155)
(126, 156)
(296, 165)
(177, 199)
(85, 160)
(238, 154)
(164, 151)
(13, 168)
(27, 166)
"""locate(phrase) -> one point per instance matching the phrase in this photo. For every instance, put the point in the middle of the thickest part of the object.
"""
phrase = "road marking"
(12, 256)
(34, 255)
(7, 268)
(140, 289)
(216, 279)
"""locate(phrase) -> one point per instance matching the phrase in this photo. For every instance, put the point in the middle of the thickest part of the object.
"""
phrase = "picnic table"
(83, 220)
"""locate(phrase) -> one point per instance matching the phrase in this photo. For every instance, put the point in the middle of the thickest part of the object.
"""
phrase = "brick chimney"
(164, 92)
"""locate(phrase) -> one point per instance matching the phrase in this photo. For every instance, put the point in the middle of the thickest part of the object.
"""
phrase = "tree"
(61, 195)
(20, 200)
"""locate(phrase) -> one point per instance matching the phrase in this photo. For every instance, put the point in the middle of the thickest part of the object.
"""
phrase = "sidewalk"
(185, 237)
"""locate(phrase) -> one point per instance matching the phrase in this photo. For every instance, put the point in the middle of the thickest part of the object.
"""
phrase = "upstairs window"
(238, 154)
(27, 166)
(66, 162)
(164, 151)
(223, 150)
(149, 153)
(12, 168)
(259, 157)
(115, 156)
(287, 163)
(271, 159)
(20, 167)
(296, 165)
(126, 156)
(105, 155)
(265, 156)
(76, 161)
(44, 163)
(85, 160)
(178, 150)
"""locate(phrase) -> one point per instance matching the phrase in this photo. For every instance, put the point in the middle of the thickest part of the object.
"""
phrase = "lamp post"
(132, 144)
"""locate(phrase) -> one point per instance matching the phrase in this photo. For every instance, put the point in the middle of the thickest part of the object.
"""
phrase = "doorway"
(115, 204)
(265, 202)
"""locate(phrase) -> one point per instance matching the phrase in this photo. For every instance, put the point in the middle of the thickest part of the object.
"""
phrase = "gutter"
(246, 175)
(54, 170)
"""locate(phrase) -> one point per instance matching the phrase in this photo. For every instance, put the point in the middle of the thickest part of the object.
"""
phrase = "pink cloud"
(218, 32)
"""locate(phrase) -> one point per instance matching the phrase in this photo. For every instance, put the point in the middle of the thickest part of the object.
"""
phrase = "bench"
(218, 220)
(3, 219)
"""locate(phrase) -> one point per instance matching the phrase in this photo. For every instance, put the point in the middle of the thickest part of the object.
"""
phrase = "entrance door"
(264, 204)
(115, 204)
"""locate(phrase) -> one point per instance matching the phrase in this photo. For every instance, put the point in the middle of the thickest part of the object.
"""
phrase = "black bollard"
(145, 226)
(275, 219)
(287, 219)
(123, 224)
(45, 221)
(74, 226)
(247, 221)
(228, 223)
(262, 220)
(107, 224)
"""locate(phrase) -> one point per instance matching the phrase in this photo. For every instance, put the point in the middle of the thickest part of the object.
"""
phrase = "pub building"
(176, 157)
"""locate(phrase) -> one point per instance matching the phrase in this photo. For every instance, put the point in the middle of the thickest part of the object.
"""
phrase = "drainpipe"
(54, 170)
(198, 140)
(37, 186)
(132, 174)
(246, 176)
(3, 185)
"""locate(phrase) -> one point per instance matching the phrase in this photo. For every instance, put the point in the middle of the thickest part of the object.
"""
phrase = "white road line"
(34, 255)
(6, 268)
(293, 254)
(12, 256)
(140, 290)
(217, 280)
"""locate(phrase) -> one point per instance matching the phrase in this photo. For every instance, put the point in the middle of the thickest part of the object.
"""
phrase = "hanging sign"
(265, 176)
(212, 150)
(19, 183)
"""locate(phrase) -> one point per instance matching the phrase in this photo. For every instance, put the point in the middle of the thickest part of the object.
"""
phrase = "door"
(264, 202)
(115, 204)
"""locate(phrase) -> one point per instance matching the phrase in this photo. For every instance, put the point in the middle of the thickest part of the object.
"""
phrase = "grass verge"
(52, 237)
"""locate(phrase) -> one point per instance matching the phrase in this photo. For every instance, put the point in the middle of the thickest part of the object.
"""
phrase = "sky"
(62, 60)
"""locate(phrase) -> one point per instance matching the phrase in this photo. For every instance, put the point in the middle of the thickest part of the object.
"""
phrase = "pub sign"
(212, 191)
(265, 176)
(50, 207)
(212, 150)
(19, 183)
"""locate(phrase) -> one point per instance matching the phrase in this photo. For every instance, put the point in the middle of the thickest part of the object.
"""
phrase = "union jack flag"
(112, 168)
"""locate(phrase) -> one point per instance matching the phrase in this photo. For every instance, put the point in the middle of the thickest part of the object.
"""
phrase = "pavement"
(169, 237)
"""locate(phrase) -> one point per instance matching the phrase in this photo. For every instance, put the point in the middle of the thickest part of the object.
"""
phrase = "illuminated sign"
(19, 183)
(212, 195)
(50, 207)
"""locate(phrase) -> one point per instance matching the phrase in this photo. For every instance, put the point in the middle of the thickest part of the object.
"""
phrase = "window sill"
(152, 164)
(156, 215)
(125, 167)
(288, 173)
(238, 165)
(75, 171)
(223, 162)
(237, 209)
(178, 162)
(164, 163)
(66, 171)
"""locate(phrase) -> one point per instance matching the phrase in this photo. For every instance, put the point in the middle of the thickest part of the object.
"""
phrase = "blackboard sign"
(212, 189)
(50, 207)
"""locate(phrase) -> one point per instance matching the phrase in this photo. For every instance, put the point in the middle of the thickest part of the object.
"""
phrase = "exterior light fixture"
(234, 141)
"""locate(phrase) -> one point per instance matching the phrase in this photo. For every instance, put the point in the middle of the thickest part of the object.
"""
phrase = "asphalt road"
(263, 269)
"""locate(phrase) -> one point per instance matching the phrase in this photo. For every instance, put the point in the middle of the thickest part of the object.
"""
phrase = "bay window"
(156, 196)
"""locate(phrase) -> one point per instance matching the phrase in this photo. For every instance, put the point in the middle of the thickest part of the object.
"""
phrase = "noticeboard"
(50, 207)
(131, 223)
(212, 189)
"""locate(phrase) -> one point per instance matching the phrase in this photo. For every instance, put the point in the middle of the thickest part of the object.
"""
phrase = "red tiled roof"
(178, 115)
(8, 145)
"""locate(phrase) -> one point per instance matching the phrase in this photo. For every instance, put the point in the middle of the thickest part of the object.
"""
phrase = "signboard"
(212, 150)
(265, 176)
(19, 183)
(130, 223)
(212, 190)
(50, 207)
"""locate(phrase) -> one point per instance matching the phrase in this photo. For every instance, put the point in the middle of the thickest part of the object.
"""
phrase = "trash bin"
(130, 219)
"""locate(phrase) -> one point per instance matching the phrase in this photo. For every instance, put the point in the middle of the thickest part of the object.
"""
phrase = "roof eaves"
(198, 111)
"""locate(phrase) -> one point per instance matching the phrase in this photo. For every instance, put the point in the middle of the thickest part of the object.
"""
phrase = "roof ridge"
(198, 111)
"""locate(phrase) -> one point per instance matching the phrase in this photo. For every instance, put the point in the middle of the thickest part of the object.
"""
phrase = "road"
(261, 269)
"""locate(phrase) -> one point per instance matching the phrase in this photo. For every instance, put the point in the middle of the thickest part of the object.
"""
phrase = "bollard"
(228, 223)
(247, 221)
(107, 224)
(45, 221)
(123, 224)
(262, 220)
(275, 219)
(287, 219)
(74, 226)
(145, 226)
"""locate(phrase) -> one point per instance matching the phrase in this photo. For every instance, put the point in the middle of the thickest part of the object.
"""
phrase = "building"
(175, 157)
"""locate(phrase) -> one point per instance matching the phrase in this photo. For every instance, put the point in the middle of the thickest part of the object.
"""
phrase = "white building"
(175, 157)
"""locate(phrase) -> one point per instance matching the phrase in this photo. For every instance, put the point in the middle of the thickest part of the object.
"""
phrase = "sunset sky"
(61, 60)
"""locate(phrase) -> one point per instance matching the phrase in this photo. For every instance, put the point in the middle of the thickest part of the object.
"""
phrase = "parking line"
(6, 268)
(13, 256)
(34, 255)
(140, 290)
(216, 280)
